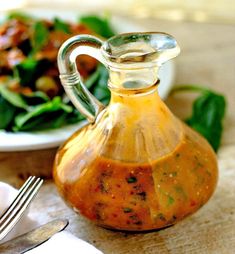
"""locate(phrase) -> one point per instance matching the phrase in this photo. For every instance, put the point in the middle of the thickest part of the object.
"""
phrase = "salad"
(31, 95)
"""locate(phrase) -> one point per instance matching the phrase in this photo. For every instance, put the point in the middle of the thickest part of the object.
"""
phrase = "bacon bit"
(15, 87)
(13, 33)
(25, 90)
(80, 29)
(85, 64)
(52, 72)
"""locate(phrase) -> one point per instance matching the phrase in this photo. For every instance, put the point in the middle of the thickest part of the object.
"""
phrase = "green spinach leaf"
(99, 25)
(93, 78)
(25, 71)
(74, 117)
(40, 36)
(207, 114)
(61, 26)
(13, 98)
(19, 16)
(100, 89)
(29, 70)
(45, 114)
(35, 98)
(7, 113)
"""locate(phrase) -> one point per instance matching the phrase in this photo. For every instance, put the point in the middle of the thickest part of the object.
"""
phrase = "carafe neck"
(132, 81)
(137, 102)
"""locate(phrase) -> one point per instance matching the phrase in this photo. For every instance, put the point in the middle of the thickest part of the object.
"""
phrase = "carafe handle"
(70, 78)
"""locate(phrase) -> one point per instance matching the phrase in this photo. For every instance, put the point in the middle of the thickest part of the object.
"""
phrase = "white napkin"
(62, 242)
(65, 242)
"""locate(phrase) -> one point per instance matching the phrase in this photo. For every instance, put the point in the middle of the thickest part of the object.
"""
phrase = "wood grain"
(207, 58)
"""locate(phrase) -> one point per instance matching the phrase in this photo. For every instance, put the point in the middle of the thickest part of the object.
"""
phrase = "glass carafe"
(135, 166)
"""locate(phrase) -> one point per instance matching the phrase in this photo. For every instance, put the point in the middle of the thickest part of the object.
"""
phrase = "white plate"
(23, 141)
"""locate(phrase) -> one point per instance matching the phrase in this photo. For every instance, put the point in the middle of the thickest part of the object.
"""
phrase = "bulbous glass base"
(139, 196)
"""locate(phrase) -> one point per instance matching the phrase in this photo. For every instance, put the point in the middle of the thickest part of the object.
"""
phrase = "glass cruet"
(134, 166)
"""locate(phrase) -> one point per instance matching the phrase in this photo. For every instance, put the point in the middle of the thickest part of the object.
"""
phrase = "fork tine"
(21, 192)
(12, 218)
(21, 201)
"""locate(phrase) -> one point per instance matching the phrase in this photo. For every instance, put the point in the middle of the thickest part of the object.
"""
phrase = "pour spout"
(135, 58)
(138, 50)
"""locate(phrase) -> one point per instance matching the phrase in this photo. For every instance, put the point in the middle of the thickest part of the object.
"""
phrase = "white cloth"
(62, 242)
(65, 242)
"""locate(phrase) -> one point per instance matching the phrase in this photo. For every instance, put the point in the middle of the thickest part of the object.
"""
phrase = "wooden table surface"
(207, 58)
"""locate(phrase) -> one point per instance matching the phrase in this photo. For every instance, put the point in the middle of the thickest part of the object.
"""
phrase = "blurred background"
(222, 11)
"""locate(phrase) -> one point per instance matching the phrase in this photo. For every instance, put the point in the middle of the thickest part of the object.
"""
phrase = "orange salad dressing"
(131, 196)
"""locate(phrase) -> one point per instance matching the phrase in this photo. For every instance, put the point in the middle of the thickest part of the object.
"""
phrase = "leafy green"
(7, 113)
(29, 70)
(99, 25)
(93, 78)
(25, 71)
(74, 117)
(61, 26)
(40, 36)
(207, 114)
(13, 98)
(99, 88)
(41, 114)
(36, 111)
(19, 16)
(35, 98)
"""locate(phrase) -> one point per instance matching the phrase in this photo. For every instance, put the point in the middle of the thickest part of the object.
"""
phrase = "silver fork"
(15, 211)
